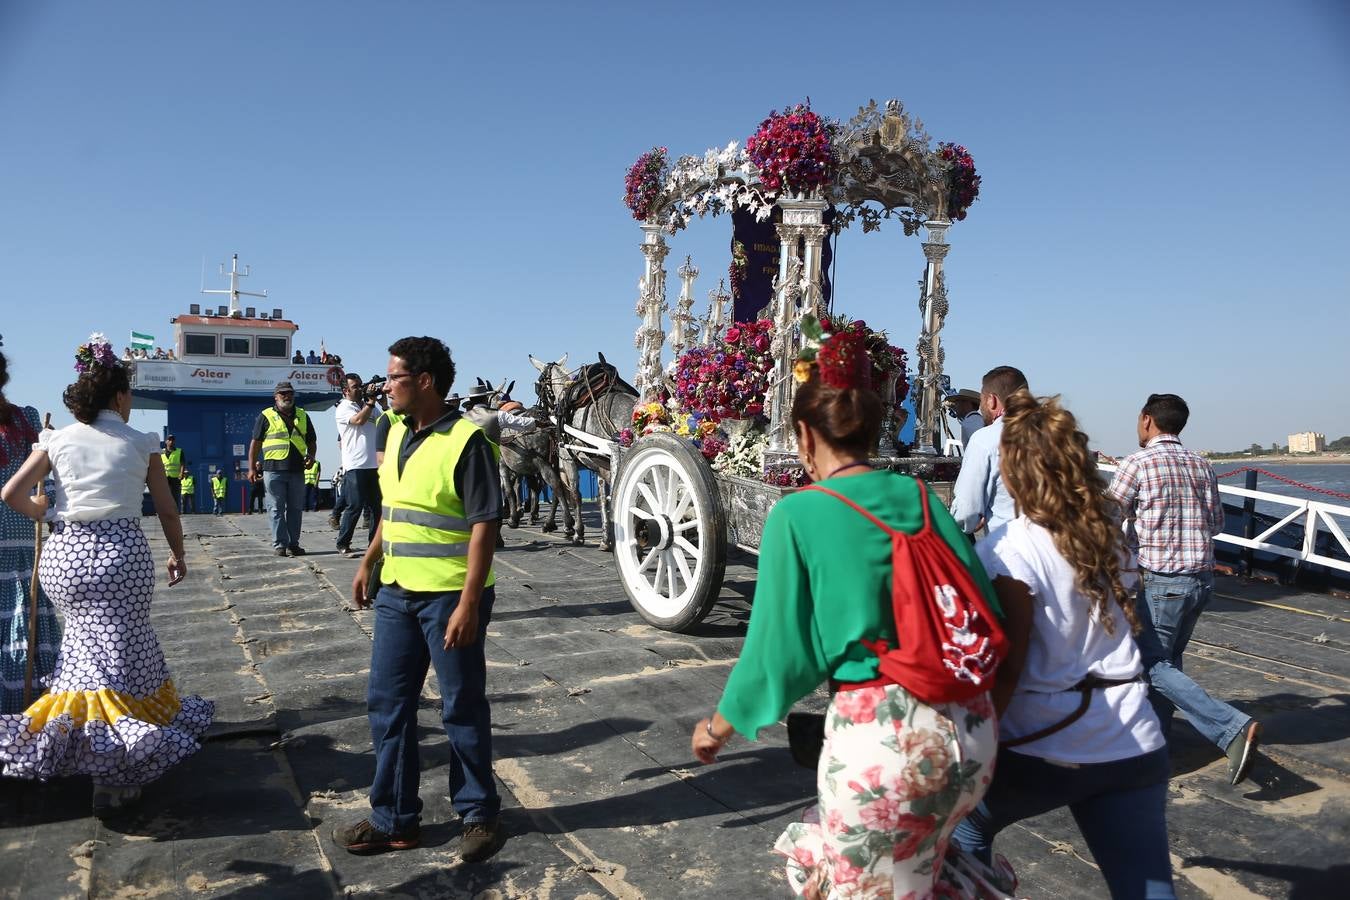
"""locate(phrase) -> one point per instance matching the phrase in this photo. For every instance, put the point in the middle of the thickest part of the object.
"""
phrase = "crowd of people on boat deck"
(1019, 652)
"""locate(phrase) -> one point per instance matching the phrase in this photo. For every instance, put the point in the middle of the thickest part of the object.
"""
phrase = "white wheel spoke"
(660, 570)
(686, 498)
(686, 547)
(654, 477)
(647, 560)
(647, 495)
(672, 490)
(670, 576)
(685, 526)
(678, 552)
(640, 513)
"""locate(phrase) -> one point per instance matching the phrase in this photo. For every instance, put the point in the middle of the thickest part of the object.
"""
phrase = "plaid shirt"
(1173, 498)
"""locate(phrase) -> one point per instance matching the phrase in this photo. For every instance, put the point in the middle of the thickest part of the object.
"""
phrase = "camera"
(374, 388)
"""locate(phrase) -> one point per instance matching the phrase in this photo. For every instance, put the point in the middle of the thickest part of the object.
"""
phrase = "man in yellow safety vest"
(441, 504)
(284, 434)
(312, 485)
(188, 486)
(172, 457)
(220, 483)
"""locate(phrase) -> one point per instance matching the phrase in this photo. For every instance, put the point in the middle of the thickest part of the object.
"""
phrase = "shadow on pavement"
(1305, 883)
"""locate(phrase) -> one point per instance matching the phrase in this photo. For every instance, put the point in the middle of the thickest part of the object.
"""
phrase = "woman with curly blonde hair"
(1076, 727)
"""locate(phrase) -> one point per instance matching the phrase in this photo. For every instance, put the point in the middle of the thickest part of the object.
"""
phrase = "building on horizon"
(1307, 442)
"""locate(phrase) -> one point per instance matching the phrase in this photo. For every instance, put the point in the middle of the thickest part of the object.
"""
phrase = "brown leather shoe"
(481, 840)
(1242, 750)
(364, 838)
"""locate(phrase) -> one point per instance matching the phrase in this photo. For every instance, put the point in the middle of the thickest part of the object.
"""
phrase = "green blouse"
(824, 584)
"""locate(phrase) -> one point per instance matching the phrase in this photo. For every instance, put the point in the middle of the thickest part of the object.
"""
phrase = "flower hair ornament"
(97, 352)
(840, 360)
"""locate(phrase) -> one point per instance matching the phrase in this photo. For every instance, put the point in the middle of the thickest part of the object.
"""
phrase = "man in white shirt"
(979, 497)
(356, 434)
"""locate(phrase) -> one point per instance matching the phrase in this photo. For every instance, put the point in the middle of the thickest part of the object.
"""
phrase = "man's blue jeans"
(360, 491)
(1119, 807)
(1168, 608)
(409, 636)
(286, 492)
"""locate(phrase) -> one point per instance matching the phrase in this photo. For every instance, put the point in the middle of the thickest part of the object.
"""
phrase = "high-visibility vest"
(189, 484)
(312, 473)
(280, 438)
(424, 532)
(218, 485)
(173, 462)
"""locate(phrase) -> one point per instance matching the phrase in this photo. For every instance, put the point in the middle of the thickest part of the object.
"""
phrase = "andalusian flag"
(142, 341)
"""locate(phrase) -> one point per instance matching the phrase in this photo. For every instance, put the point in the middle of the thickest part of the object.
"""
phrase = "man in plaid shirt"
(1171, 497)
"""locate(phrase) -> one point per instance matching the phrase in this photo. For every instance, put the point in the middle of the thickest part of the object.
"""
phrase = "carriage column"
(928, 403)
(799, 293)
(651, 306)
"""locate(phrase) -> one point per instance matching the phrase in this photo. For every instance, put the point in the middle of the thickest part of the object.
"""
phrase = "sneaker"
(1241, 750)
(480, 840)
(333, 522)
(279, 551)
(110, 799)
(297, 550)
(364, 838)
(344, 549)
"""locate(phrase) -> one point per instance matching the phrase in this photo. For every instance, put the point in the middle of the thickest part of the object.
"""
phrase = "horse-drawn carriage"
(673, 513)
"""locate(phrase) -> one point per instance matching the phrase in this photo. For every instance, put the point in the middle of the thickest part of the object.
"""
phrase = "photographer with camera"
(356, 431)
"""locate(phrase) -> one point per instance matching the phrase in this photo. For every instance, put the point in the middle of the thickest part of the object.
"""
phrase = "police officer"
(189, 492)
(442, 498)
(220, 483)
(284, 434)
(172, 457)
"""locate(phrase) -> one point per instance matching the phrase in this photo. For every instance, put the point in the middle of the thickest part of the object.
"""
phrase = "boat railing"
(1310, 515)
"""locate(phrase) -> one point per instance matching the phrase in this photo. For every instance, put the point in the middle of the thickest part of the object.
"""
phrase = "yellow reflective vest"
(189, 484)
(312, 473)
(423, 529)
(279, 438)
(173, 462)
(218, 485)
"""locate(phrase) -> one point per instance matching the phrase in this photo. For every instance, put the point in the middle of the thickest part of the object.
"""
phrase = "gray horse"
(595, 401)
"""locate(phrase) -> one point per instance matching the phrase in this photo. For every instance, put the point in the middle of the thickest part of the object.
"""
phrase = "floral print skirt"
(895, 777)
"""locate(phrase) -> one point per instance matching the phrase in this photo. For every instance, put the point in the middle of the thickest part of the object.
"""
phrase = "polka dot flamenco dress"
(111, 711)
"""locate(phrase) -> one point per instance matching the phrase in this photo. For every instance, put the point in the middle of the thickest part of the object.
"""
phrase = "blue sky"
(1163, 206)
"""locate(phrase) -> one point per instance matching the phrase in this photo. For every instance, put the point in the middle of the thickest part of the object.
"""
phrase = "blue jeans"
(311, 497)
(409, 635)
(286, 491)
(1119, 807)
(220, 506)
(1168, 608)
(360, 491)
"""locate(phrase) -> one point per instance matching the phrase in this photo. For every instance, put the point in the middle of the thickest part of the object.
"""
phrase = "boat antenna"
(234, 291)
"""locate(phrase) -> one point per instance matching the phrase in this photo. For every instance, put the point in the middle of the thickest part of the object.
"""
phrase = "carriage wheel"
(670, 538)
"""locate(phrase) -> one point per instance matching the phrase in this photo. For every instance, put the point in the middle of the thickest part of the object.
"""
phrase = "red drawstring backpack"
(949, 642)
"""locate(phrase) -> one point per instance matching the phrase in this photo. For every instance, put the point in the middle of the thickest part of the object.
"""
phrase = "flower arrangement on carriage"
(710, 446)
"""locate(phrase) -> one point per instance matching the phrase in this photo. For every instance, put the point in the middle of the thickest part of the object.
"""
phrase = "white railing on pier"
(1309, 514)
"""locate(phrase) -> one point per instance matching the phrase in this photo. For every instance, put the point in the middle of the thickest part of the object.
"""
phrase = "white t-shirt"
(358, 441)
(1066, 643)
(100, 468)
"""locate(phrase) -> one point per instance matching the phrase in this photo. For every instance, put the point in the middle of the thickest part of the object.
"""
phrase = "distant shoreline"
(1339, 459)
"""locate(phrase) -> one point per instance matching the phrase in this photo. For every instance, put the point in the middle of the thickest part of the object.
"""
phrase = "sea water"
(1328, 476)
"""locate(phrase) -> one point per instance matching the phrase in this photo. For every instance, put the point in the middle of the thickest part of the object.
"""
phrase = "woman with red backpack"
(1078, 730)
(900, 765)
